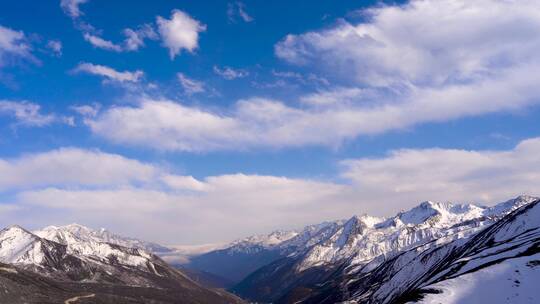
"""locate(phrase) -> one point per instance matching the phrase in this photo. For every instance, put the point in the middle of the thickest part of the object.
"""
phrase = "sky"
(191, 122)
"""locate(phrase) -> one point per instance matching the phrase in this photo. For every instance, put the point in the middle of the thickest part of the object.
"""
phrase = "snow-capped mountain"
(364, 242)
(75, 233)
(499, 264)
(70, 255)
(56, 262)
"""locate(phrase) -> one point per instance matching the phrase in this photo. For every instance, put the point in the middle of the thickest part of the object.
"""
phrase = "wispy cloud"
(230, 73)
(109, 73)
(190, 86)
(71, 7)
(14, 45)
(55, 46)
(29, 114)
(237, 10)
(135, 38)
(101, 43)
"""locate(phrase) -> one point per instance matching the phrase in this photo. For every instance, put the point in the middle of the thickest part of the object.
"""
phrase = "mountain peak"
(510, 205)
(15, 229)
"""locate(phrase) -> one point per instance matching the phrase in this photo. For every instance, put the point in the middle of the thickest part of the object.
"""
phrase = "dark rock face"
(277, 283)
(20, 286)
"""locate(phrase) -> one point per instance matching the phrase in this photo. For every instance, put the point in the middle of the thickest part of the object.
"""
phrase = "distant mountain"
(72, 261)
(362, 243)
(75, 233)
(242, 257)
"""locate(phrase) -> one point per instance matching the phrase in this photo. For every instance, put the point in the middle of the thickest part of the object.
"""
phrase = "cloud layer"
(98, 188)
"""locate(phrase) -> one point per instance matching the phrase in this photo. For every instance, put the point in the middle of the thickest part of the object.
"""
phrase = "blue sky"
(259, 115)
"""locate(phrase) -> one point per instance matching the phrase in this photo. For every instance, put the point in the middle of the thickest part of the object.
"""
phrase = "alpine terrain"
(432, 253)
(74, 263)
(345, 260)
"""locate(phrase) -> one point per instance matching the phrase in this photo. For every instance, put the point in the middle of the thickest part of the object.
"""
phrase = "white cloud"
(180, 32)
(101, 43)
(55, 46)
(102, 189)
(135, 38)
(166, 125)
(425, 42)
(70, 167)
(259, 123)
(109, 73)
(71, 7)
(230, 73)
(13, 45)
(236, 205)
(87, 110)
(180, 182)
(304, 79)
(334, 96)
(190, 86)
(237, 9)
(26, 113)
(409, 175)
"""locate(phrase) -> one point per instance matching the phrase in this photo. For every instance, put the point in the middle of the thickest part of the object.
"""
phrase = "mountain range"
(57, 264)
(433, 253)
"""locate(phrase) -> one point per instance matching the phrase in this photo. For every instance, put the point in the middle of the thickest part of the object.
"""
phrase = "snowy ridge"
(72, 251)
(513, 241)
(363, 238)
(356, 247)
(20, 246)
(75, 233)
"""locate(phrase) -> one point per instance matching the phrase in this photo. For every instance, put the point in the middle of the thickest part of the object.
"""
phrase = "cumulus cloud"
(71, 7)
(181, 32)
(27, 113)
(237, 10)
(69, 184)
(109, 73)
(190, 86)
(230, 73)
(425, 42)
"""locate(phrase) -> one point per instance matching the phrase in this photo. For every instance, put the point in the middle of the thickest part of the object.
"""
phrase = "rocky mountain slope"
(362, 243)
(69, 263)
(499, 264)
